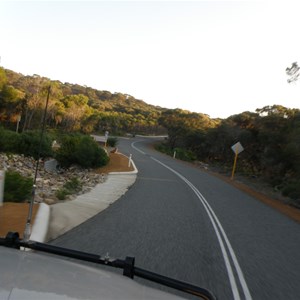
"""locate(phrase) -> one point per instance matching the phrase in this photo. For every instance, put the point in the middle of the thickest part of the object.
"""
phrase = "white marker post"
(106, 137)
(129, 161)
(2, 178)
(236, 148)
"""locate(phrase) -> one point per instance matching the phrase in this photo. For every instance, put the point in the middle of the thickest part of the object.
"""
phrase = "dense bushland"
(270, 137)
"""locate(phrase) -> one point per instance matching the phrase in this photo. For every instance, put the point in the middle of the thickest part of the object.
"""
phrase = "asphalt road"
(182, 222)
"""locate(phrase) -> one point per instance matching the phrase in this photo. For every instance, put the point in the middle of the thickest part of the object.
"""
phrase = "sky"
(214, 57)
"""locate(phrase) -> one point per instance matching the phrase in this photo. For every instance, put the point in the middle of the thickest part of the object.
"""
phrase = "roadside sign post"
(234, 165)
(236, 148)
(106, 137)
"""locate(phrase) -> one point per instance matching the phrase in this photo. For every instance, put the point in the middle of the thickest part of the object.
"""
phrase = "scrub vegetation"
(270, 135)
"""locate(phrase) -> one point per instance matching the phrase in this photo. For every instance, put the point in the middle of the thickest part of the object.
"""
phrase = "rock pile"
(49, 182)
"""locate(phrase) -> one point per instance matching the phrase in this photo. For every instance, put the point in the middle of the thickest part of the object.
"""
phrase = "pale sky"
(214, 57)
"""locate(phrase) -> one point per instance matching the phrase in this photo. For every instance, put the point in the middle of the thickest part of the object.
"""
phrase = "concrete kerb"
(41, 223)
(58, 218)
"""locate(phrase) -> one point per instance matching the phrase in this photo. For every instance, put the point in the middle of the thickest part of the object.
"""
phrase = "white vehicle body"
(30, 275)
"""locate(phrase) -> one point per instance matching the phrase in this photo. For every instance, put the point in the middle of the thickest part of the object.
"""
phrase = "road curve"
(184, 223)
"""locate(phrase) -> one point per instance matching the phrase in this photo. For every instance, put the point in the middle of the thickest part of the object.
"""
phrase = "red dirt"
(13, 217)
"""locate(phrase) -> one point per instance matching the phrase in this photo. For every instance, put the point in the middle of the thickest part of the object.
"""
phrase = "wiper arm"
(12, 240)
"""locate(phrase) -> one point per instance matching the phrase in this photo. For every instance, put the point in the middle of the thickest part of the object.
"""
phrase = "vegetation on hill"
(270, 136)
(72, 107)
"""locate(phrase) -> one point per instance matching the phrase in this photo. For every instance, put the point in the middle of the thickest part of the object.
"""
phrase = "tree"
(182, 123)
(76, 108)
(3, 78)
(36, 89)
(10, 103)
(293, 72)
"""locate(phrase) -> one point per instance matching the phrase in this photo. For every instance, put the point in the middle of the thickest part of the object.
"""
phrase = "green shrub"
(61, 194)
(27, 143)
(70, 187)
(9, 141)
(185, 154)
(292, 190)
(16, 187)
(164, 148)
(81, 150)
(182, 154)
(89, 154)
(112, 141)
(66, 153)
(73, 185)
(30, 144)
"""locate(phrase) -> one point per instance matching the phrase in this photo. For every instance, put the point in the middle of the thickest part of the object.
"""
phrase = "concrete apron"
(67, 215)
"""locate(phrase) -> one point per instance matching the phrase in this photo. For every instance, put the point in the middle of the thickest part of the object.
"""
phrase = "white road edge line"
(137, 149)
(232, 253)
(216, 223)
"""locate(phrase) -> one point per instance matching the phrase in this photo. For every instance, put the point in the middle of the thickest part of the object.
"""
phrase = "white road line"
(137, 149)
(219, 231)
(232, 253)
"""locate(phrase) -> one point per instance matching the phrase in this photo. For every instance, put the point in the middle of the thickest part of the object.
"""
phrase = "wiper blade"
(12, 240)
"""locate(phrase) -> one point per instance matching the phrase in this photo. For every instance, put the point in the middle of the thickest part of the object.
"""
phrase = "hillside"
(73, 107)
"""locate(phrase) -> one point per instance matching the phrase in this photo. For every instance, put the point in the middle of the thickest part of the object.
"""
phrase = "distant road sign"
(237, 148)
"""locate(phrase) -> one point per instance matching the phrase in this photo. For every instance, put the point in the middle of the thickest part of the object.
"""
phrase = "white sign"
(237, 148)
(2, 177)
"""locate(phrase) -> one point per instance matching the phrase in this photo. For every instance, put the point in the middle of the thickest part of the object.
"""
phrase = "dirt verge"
(13, 217)
(278, 204)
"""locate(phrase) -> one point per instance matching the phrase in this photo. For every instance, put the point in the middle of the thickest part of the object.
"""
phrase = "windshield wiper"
(13, 240)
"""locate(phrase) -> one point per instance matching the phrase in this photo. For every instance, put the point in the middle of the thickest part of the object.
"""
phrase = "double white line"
(222, 239)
